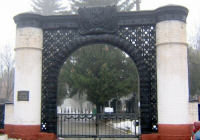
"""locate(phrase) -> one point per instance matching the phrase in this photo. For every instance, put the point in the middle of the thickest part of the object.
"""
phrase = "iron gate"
(103, 125)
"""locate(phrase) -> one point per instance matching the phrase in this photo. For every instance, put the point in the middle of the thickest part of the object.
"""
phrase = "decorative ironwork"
(54, 40)
(97, 20)
(54, 59)
(143, 38)
(76, 123)
(2, 112)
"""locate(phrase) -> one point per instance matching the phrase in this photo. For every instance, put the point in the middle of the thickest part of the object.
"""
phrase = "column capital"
(171, 12)
(28, 20)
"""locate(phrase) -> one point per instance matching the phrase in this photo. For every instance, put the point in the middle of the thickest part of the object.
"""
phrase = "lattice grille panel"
(144, 39)
(59, 42)
(53, 41)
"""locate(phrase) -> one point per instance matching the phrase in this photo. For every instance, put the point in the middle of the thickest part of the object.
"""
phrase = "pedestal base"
(170, 132)
(27, 132)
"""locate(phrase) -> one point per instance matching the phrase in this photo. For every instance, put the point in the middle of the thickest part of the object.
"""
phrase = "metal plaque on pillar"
(23, 96)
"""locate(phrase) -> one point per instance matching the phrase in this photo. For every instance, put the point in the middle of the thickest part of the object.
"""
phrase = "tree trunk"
(99, 107)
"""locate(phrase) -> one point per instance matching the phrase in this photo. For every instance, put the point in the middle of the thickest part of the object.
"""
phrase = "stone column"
(172, 72)
(28, 74)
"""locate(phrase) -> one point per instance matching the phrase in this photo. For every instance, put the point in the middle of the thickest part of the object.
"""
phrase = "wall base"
(1, 131)
(164, 137)
(172, 129)
(38, 136)
(165, 132)
(175, 131)
(170, 132)
(27, 132)
(176, 137)
(149, 137)
(21, 129)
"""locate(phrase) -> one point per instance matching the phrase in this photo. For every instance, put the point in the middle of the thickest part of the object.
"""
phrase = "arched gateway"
(155, 40)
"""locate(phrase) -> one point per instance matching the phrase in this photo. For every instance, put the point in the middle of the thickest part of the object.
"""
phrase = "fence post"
(2, 113)
(61, 122)
(97, 125)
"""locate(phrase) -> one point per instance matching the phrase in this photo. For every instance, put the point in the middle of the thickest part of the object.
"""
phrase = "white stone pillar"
(172, 73)
(28, 75)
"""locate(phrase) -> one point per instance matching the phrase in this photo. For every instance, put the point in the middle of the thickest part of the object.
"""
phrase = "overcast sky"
(10, 8)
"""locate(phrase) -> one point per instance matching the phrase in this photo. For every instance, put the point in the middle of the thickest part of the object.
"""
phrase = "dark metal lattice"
(144, 39)
(137, 41)
(2, 112)
(53, 40)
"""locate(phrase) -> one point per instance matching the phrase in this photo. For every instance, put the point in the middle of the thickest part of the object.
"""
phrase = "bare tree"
(7, 72)
(194, 38)
(194, 62)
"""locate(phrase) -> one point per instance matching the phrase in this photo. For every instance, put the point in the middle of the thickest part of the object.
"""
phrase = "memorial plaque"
(23, 96)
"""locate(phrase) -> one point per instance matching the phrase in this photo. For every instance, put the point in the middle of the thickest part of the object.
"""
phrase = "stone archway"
(155, 40)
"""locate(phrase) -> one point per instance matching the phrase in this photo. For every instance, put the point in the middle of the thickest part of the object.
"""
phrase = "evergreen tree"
(47, 7)
(98, 88)
(122, 5)
(100, 71)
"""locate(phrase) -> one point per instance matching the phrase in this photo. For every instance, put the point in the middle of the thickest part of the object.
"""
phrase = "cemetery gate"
(54, 38)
